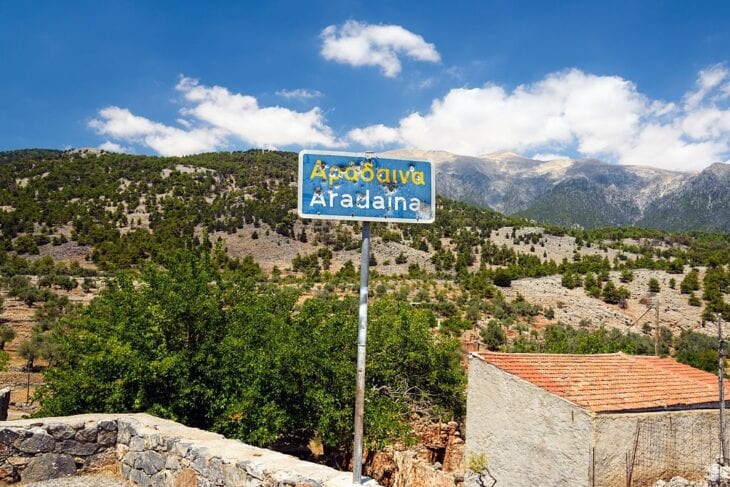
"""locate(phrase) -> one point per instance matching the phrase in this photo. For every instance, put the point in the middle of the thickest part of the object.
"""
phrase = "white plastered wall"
(529, 436)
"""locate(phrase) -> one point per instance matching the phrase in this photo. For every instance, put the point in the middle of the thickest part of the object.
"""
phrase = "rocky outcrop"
(436, 462)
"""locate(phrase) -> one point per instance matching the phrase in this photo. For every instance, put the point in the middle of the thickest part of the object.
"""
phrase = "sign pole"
(362, 327)
(361, 187)
(721, 386)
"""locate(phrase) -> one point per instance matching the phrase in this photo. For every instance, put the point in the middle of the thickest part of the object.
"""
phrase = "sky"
(634, 82)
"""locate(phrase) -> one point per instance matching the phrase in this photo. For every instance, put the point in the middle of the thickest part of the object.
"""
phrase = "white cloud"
(299, 94)
(361, 44)
(596, 116)
(375, 136)
(214, 119)
(121, 124)
(112, 147)
(707, 80)
(241, 116)
(548, 157)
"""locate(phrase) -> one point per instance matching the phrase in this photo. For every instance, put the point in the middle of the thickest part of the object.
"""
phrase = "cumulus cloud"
(597, 116)
(361, 44)
(213, 118)
(110, 146)
(548, 157)
(121, 124)
(299, 94)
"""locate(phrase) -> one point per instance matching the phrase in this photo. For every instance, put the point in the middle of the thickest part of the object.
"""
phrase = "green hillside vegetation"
(219, 347)
(183, 329)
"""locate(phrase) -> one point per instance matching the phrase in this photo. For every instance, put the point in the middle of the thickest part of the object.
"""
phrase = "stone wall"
(149, 452)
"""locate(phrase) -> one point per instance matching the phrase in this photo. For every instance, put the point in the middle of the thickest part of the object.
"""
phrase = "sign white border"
(363, 155)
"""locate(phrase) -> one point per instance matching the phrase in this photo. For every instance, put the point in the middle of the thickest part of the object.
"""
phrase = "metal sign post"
(362, 338)
(362, 187)
(721, 387)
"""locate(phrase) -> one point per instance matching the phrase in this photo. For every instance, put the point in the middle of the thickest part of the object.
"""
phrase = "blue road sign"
(352, 186)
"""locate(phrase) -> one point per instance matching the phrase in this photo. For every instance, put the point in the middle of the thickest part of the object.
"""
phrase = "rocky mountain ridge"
(588, 193)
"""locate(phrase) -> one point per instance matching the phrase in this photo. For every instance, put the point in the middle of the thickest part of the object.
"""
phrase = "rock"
(61, 431)
(5, 452)
(107, 425)
(136, 443)
(122, 450)
(38, 442)
(198, 458)
(18, 461)
(8, 474)
(165, 479)
(126, 430)
(186, 478)
(73, 447)
(48, 466)
(8, 436)
(98, 460)
(233, 475)
(138, 477)
(87, 435)
(150, 461)
(172, 463)
(107, 438)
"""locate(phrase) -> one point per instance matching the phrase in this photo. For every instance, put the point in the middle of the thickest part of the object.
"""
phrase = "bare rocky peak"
(718, 169)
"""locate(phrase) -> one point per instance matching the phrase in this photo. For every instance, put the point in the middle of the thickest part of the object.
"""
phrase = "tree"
(627, 276)
(493, 335)
(654, 285)
(29, 350)
(691, 282)
(7, 334)
(171, 338)
(502, 278)
(614, 295)
(697, 349)
(570, 280)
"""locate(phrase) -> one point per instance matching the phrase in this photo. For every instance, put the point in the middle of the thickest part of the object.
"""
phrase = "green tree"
(219, 350)
(613, 294)
(653, 285)
(691, 282)
(493, 335)
(7, 334)
(502, 278)
(697, 349)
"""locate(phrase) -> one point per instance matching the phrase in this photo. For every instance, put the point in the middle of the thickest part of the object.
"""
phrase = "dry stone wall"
(149, 451)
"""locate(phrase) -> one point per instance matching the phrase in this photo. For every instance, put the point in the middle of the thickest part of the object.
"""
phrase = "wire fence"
(661, 450)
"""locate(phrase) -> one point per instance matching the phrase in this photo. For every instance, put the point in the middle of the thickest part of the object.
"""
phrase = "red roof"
(612, 382)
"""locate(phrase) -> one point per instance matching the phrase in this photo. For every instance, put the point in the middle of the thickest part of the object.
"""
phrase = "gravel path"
(98, 480)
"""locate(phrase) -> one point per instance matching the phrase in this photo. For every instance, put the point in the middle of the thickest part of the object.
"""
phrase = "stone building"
(611, 420)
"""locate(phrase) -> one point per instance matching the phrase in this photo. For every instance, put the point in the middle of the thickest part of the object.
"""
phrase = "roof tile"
(612, 382)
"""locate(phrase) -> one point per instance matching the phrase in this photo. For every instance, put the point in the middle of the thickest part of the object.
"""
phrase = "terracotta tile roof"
(612, 382)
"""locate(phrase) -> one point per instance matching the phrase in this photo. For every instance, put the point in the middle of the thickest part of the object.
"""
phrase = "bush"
(7, 334)
(493, 335)
(502, 278)
(654, 285)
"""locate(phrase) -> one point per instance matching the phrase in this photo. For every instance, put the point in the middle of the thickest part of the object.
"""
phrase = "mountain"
(589, 193)
(701, 203)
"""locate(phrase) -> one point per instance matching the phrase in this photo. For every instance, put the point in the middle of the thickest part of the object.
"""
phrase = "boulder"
(49, 466)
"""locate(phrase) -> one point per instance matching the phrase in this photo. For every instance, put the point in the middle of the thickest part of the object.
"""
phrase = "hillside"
(197, 270)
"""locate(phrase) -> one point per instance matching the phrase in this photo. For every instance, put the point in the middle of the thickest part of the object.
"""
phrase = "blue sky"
(628, 82)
